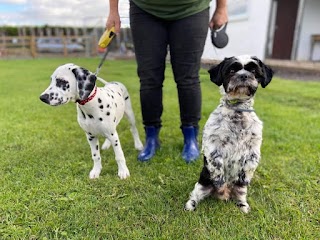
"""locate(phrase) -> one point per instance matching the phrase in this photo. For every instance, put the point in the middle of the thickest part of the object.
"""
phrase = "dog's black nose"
(45, 98)
(243, 77)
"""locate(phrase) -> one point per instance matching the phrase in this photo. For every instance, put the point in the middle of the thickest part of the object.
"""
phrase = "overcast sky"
(58, 12)
(74, 12)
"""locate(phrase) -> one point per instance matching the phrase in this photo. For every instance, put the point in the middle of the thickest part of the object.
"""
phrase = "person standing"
(180, 26)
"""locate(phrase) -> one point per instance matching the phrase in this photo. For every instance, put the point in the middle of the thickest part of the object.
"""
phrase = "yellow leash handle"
(106, 38)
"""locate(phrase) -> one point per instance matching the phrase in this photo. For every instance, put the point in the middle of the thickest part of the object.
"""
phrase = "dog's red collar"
(83, 102)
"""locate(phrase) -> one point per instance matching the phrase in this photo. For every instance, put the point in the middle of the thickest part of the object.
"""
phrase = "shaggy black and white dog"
(99, 109)
(232, 135)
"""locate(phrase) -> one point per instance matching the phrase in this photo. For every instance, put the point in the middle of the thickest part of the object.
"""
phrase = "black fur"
(85, 81)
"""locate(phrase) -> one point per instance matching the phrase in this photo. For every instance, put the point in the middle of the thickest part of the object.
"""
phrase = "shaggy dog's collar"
(234, 105)
(83, 102)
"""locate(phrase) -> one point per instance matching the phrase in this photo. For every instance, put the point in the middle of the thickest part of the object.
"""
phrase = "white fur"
(98, 117)
(232, 135)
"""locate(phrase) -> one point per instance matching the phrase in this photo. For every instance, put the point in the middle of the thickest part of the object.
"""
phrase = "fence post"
(94, 45)
(33, 46)
(3, 49)
(65, 50)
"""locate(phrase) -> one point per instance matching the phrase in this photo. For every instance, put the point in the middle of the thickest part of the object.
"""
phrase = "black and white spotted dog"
(99, 109)
(232, 135)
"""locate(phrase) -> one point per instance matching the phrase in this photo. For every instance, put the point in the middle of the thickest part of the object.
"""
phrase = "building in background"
(277, 29)
(268, 29)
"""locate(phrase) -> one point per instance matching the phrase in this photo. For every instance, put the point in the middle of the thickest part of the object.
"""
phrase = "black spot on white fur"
(63, 84)
(80, 86)
(233, 133)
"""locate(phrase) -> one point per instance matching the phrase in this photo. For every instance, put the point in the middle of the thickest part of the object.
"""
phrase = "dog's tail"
(101, 80)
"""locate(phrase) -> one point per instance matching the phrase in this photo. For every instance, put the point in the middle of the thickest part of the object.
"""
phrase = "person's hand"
(114, 21)
(219, 18)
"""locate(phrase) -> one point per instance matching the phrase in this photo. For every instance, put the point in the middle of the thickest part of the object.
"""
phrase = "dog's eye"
(253, 71)
(232, 71)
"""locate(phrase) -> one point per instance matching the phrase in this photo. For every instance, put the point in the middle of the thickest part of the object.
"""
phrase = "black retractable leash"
(219, 37)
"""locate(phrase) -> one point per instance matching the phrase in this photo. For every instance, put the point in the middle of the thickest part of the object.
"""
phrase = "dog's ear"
(85, 82)
(266, 73)
(217, 71)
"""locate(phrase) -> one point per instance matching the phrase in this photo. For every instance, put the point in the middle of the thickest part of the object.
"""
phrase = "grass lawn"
(45, 162)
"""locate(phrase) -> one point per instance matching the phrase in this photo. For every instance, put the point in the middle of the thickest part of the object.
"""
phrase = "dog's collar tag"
(83, 102)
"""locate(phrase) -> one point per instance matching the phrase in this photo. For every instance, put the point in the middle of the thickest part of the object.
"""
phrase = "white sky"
(66, 12)
(59, 12)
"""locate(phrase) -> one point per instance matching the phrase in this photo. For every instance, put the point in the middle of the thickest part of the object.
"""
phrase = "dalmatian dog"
(232, 135)
(99, 111)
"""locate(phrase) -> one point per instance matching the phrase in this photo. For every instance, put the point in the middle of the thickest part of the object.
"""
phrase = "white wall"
(247, 35)
(310, 24)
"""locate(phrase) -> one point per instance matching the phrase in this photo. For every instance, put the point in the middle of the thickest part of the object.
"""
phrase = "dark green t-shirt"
(172, 9)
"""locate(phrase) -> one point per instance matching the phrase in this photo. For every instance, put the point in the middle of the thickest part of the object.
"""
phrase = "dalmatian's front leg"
(95, 152)
(123, 171)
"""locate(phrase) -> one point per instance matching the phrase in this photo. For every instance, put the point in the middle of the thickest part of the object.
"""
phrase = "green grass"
(45, 162)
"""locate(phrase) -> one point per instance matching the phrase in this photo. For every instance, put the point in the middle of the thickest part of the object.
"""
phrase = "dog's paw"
(190, 205)
(244, 207)
(94, 173)
(138, 145)
(106, 144)
(123, 173)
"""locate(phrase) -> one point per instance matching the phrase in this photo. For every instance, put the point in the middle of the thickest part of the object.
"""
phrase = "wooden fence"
(32, 46)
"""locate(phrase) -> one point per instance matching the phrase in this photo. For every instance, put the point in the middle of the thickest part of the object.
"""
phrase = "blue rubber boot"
(190, 150)
(151, 145)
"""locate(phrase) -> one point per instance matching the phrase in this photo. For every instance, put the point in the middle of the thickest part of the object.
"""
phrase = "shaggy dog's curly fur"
(232, 135)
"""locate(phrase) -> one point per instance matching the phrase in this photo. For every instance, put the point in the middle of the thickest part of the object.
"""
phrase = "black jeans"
(185, 38)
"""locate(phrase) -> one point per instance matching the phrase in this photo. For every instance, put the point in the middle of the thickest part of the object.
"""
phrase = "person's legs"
(150, 41)
(186, 39)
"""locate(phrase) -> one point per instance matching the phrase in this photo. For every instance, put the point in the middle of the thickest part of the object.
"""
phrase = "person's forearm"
(220, 4)
(113, 5)
(114, 18)
(220, 15)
